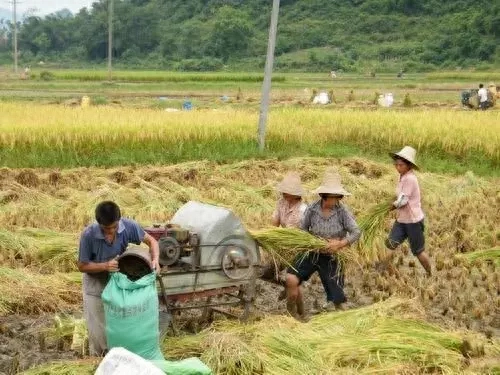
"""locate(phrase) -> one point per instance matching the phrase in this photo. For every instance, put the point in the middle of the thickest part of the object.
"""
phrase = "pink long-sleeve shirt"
(412, 211)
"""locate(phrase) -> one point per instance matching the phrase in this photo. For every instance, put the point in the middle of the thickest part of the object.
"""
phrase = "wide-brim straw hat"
(407, 153)
(291, 184)
(332, 184)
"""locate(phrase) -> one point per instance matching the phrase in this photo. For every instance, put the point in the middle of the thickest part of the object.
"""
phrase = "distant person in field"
(328, 218)
(288, 214)
(100, 245)
(409, 224)
(483, 97)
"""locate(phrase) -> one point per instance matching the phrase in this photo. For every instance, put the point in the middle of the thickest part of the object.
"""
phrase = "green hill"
(351, 35)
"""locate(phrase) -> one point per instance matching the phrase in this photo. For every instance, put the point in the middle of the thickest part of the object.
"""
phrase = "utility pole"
(14, 18)
(268, 71)
(110, 40)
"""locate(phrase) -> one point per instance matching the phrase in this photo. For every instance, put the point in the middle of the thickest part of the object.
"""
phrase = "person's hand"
(335, 245)
(112, 265)
(156, 265)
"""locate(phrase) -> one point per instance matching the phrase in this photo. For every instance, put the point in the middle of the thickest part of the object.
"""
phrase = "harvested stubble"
(382, 337)
(489, 255)
(25, 292)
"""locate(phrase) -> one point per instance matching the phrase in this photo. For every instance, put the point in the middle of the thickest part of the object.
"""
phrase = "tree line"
(312, 34)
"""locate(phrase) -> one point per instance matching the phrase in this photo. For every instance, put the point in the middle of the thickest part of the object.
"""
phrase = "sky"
(50, 6)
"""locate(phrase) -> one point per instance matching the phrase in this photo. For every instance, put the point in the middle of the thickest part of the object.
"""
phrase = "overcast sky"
(50, 6)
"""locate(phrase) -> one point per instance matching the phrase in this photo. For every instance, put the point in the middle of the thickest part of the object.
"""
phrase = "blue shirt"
(95, 249)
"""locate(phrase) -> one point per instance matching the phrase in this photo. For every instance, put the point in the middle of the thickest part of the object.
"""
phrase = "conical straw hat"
(291, 184)
(407, 153)
(332, 184)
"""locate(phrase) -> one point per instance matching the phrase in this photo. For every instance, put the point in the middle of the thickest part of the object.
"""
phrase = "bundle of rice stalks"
(287, 244)
(371, 225)
(83, 367)
(373, 222)
(490, 255)
(25, 292)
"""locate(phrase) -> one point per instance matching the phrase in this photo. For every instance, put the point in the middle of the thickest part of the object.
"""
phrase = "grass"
(73, 137)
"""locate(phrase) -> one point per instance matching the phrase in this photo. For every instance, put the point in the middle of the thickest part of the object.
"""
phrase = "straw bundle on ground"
(25, 292)
(83, 367)
(378, 338)
(490, 255)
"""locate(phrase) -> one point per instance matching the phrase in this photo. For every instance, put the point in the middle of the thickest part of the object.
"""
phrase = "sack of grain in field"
(132, 315)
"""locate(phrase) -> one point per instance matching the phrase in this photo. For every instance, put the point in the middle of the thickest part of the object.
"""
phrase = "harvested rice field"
(398, 321)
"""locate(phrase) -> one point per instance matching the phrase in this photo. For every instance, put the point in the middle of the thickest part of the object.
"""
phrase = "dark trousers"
(331, 275)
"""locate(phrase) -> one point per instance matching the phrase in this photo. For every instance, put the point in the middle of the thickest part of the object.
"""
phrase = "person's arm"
(407, 191)
(92, 267)
(85, 264)
(154, 251)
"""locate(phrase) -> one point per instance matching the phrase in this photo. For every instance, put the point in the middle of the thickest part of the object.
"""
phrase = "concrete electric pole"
(110, 39)
(14, 19)
(268, 71)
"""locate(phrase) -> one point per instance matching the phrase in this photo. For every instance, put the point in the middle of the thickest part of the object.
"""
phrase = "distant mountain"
(5, 14)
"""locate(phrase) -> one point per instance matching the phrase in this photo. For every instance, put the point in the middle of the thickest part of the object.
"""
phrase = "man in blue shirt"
(100, 245)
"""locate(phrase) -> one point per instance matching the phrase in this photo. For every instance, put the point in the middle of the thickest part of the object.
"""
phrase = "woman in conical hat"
(330, 219)
(409, 222)
(288, 214)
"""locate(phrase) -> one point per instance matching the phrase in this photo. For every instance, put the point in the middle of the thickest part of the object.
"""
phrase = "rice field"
(54, 136)
(57, 162)
(158, 76)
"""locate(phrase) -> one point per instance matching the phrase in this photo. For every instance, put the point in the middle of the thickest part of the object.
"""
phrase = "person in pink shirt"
(289, 212)
(409, 222)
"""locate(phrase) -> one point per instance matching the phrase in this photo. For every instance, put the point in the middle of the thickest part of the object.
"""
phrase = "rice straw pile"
(25, 292)
(386, 337)
(47, 250)
(490, 255)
